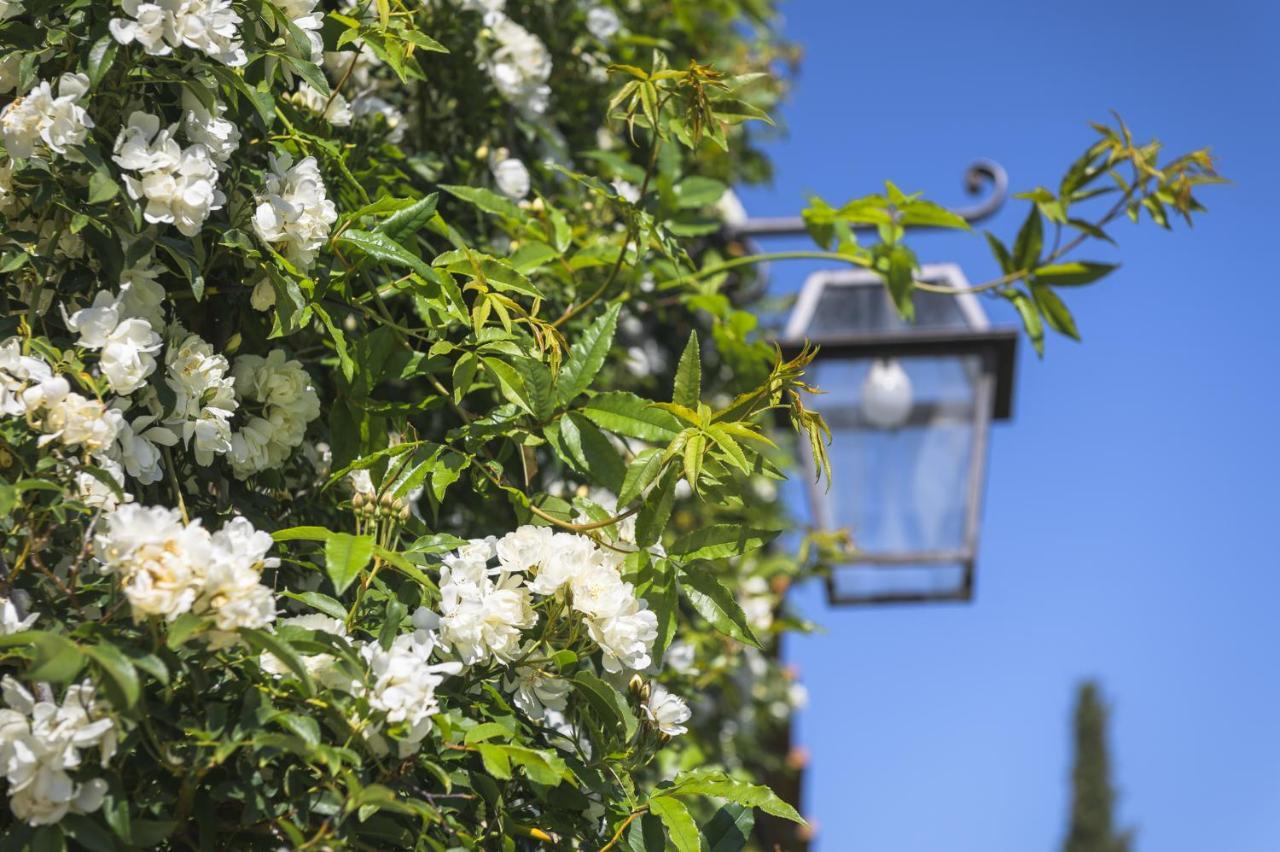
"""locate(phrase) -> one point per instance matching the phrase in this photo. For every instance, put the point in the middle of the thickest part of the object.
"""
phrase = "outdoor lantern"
(910, 406)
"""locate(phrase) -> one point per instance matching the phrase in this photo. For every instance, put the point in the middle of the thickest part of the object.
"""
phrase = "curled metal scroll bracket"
(981, 174)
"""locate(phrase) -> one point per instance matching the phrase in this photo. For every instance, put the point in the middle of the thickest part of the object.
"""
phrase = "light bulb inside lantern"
(886, 395)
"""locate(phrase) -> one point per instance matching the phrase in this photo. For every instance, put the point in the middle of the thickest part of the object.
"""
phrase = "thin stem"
(630, 236)
(173, 482)
(752, 259)
(617, 835)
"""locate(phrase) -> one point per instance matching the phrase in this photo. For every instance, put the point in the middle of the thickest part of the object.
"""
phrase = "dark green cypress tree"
(1092, 826)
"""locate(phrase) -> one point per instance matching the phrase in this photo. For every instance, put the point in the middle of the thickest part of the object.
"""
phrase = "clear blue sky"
(1130, 523)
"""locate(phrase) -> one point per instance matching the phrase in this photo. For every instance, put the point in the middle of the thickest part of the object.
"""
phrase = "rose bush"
(387, 451)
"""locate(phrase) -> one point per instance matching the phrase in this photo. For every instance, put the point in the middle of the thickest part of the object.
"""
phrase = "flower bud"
(357, 502)
(404, 513)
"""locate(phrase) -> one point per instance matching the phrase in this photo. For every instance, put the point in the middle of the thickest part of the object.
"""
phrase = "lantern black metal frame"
(996, 351)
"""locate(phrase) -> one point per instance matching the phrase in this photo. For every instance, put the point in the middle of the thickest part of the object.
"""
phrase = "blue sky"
(1130, 520)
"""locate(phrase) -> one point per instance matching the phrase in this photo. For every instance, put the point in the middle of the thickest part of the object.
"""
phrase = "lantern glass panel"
(871, 583)
(902, 489)
(843, 309)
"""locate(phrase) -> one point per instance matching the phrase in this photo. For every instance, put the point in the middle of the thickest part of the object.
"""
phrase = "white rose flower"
(137, 451)
(512, 178)
(205, 397)
(10, 621)
(179, 185)
(218, 135)
(370, 105)
(18, 373)
(304, 16)
(141, 295)
(536, 693)
(210, 26)
(629, 192)
(128, 356)
(480, 618)
(602, 22)
(666, 711)
(151, 27)
(95, 323)
(40, 741)
(519, 65)
(321, 667)
(160, 560)
(60, 123)
(402, 683)
(625, 639)
(97, 494)
(599, 591)
(289, 403)
(77, 421)
(294, 209)
(334, 109)
(568, 556)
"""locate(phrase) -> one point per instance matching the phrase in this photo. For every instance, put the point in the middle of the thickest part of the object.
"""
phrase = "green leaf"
(1054, 311)
(55, 658)
(897, 264)
(1000, 251)
(627, 414)
(302, 533)
(688, 386)
(381, 246)
(532, 255)
(318, 602)
(656, 511)
(715, 603)
(102, 187)
(714, 782)
(345, 556)
(403, 224)
(183, 628)
(1030, 318)
(681, 829)
(510, 383)
(486, 200)
(119, 676)
(89, 834)
(644, 468)
(698, 191)
(646, 835)
(609, 705)
(586, 356)
(729, 829)
(1074, 272)
(262, 641)
(1030, 241)
(595, 454)
(720, 540)
(926, 214)
(101, 57)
